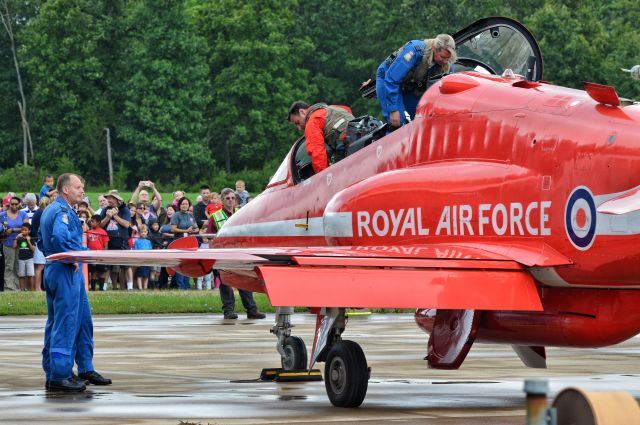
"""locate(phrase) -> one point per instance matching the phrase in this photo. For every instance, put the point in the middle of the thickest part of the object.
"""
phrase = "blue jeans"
(183, 282)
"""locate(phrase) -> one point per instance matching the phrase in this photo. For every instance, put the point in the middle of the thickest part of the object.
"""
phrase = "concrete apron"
(201, 369)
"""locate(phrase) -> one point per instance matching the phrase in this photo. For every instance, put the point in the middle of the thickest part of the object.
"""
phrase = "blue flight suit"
(392, 72)
(68, 334)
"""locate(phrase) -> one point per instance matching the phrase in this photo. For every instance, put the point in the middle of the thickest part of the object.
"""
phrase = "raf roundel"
(580, 218)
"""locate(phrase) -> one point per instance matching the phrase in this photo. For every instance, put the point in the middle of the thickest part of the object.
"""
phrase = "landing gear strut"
(293, 352)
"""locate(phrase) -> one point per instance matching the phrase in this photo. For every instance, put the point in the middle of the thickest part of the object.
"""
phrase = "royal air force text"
(511, 219)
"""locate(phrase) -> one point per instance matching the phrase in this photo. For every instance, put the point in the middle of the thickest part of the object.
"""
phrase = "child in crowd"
(84, 217)
(204, 281)
(214, 204)
(240, 190)
(97, 239)
(156, 243)
(25, 248)
(47, 188)
(142, 273)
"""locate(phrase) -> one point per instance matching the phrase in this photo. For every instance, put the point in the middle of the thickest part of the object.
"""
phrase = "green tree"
(256, 74)
(572, 42)
(11, 135)
(61, 47)
(161, 87)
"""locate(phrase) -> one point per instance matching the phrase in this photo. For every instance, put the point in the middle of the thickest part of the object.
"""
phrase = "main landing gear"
(346, 375)
(346, 372)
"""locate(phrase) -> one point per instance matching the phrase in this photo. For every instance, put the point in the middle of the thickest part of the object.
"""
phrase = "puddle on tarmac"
(465, 382)
(292, 397)
(162, 396)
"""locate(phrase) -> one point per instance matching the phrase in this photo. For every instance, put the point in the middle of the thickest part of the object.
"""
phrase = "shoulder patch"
(408, 56)
(65, 219)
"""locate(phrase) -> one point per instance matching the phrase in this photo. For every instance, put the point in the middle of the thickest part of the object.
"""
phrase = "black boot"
(66, 385)
(95, 378)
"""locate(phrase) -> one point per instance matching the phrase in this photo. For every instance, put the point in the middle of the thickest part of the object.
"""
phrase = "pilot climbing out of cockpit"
(325, 129)
(403, 77)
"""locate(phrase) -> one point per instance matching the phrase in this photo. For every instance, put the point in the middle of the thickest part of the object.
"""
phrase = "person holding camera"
(140, 195)
(116, 219)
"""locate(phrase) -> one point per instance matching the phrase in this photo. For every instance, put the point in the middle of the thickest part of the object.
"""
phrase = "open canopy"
(493, 45)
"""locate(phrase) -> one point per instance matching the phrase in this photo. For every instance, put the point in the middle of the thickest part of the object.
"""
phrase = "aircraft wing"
(446, 276)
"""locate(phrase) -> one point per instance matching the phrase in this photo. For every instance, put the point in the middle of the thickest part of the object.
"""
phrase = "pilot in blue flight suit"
(401, 78)
(68, 333)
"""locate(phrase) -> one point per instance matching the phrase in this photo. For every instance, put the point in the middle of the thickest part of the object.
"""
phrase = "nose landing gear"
(294, 355)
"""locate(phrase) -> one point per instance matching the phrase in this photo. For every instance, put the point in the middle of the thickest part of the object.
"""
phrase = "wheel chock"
(353, 312)
(296, 375)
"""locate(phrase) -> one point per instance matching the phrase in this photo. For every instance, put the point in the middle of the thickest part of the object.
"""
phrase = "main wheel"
(346, 375)
(295, 353)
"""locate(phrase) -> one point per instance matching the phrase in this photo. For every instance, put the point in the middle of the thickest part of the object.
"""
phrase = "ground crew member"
(402, 77)
(69, 330)
(325, 128)
(226, 292)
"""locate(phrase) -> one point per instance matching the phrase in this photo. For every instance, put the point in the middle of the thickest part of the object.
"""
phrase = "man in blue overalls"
(402, 77)
(68, 334)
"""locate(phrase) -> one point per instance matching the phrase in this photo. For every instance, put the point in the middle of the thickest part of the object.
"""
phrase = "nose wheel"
(346, 375)
(294, 355)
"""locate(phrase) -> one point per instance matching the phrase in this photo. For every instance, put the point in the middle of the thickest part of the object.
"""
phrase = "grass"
(123, 302)
(158, 302)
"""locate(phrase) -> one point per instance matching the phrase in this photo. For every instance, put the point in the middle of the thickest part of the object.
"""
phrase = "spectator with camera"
(140, 195)
(116, 220)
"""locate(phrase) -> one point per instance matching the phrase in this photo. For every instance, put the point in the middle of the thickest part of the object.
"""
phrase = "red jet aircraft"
(507, 212)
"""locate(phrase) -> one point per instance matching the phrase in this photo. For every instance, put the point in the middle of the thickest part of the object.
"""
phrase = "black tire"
(346, 375)
(295, 354)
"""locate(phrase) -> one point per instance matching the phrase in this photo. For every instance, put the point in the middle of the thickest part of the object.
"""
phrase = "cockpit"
(496, 46)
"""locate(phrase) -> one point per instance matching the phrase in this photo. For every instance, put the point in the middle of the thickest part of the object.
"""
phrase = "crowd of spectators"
(145, 221)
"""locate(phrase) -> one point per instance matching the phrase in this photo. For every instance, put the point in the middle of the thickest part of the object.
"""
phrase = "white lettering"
(482, 220)
(409, 222)
(363, 223)
(395, 220)
(516, 218)
(380, 231)
(422, 231)
(544, 218)
(527, 219)
(454, 219)
(501, 209)
(445, 221)
(465, 219)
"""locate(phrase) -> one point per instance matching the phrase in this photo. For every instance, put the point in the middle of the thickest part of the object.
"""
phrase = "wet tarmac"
(201, 369)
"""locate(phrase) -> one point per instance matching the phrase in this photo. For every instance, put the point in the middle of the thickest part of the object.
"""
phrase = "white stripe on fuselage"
(332, 224)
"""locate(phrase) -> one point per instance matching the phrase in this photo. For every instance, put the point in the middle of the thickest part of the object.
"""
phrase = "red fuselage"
(487, 162)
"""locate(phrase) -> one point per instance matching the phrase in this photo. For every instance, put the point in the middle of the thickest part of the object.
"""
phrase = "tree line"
(191, 88)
